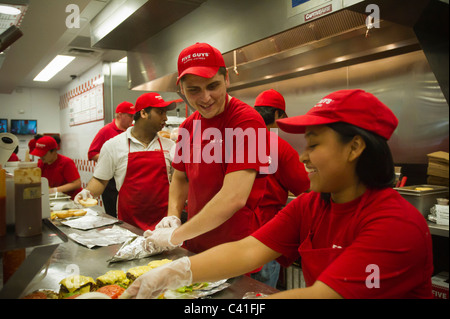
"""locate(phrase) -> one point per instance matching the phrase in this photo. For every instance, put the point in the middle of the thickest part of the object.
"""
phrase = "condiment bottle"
(2, 202)
(27, 192)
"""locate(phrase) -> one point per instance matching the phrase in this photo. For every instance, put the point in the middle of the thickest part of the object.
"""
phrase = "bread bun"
(88, 202)
(164, 134)
(62, 214)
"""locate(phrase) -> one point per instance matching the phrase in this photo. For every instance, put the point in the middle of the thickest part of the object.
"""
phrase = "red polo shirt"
(60, 172)
(105, 133)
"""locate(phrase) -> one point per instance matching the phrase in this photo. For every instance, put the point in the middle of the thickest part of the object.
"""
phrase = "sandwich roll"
(88, 202)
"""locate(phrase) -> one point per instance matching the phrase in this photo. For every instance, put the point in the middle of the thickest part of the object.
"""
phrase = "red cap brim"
(298, 124)
(38, 152)
(203, 71)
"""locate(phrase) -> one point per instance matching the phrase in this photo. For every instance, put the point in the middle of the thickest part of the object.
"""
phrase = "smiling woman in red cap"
(139, 161)
(356, 236)
(61, 171)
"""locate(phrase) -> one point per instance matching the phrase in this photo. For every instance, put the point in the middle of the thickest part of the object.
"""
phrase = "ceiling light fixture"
(4, 9)
(56, 65)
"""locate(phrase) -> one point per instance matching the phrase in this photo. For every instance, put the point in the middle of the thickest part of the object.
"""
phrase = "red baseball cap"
(271, 98)
(43, 145)
(153, 100)
(355, 107)
(199, 59)
(125, 107)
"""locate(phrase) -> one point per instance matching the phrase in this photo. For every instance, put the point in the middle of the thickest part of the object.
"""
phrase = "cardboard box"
(439, 285)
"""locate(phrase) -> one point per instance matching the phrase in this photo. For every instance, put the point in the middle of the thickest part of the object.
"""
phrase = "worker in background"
(138, 160)
(290, 176)
(123, 120)
(61, 171)
(14, 157)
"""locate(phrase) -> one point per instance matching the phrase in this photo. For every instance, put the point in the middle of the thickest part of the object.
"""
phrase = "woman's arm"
(230, 260)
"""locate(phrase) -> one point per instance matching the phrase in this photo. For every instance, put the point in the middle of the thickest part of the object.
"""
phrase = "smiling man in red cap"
(222, 196)
(123, 120)
(139, 161)
(61, 171)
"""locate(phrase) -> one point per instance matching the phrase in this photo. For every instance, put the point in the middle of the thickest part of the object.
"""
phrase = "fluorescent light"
(4, 9)
(56, 65)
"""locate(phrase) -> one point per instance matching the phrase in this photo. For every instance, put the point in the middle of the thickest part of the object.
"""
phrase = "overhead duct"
(123, 24)
(334, 41)
(296, 46)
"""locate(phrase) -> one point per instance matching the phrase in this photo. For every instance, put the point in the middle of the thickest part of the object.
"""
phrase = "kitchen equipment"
(423, 197)
(8, 143)
(27, 203)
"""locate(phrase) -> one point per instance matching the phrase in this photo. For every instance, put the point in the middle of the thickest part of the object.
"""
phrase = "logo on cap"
(324, 101)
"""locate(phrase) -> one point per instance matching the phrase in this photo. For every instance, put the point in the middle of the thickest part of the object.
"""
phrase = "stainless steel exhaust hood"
(264, 42)
(334, 41)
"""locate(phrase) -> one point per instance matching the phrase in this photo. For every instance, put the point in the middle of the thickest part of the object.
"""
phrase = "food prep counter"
(71, 258)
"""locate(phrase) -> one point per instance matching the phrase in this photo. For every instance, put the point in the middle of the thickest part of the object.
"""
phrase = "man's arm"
(232, 196)
(96, 186)
(178, 193)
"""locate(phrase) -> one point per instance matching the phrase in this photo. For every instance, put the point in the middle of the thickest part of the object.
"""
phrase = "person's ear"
(357, 146)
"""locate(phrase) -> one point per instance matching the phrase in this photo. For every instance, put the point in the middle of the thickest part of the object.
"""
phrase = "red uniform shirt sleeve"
(105, 133)
(291, 174)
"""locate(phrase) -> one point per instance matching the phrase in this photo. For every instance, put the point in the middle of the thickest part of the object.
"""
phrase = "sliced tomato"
(113, 291)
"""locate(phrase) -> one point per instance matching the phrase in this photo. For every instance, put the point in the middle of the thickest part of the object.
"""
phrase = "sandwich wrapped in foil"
(134, 248)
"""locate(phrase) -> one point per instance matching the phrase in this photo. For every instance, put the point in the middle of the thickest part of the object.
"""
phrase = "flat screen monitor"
(3, 125)
(24, 127)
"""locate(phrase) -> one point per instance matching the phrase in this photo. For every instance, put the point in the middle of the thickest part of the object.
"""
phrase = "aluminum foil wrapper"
(105, 237)
(134, 248)
(210, 289)
(89, 222)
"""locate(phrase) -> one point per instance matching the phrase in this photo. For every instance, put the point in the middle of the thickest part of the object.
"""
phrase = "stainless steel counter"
(71, 258)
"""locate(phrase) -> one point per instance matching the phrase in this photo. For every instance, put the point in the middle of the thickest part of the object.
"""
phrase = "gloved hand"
(153, 283)
(84, 194)
(159, 239)
(169, 221)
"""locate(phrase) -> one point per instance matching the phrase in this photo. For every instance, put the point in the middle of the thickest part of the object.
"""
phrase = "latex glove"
(153, 283)
(169, 221)
(84, 194)
(159, 239)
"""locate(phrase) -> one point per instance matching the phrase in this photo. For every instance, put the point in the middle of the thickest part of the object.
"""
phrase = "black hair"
(268, 113)
(137, 115)
(375, 166)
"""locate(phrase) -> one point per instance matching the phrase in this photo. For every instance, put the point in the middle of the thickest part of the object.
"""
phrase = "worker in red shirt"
(356, 236)
(222, 192)
(14, 157)
(123, 120)
(61, 172)
(290, 175)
